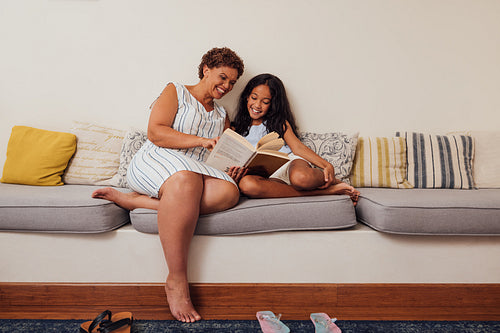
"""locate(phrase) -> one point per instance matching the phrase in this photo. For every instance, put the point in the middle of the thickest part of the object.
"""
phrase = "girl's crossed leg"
(304, 181)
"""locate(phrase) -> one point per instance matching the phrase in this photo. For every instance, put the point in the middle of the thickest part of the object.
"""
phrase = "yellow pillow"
(37, 157)
(380, 162)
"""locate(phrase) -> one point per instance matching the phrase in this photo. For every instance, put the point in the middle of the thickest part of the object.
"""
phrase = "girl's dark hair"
(218, 57)
(279, 110)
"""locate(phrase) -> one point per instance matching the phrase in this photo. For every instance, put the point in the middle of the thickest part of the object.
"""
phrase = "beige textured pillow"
(97, 156)
(380, 162)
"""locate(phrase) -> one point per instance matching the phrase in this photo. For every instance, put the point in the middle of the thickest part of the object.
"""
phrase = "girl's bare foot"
(344, 188)
(179, 301)
(130, 200)
(354, 196)
(340, 188)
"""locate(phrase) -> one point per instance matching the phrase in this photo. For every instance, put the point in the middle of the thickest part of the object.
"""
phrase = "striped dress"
(152, 165)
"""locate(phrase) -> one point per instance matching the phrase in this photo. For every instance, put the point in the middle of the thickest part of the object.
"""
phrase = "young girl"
(263, 108)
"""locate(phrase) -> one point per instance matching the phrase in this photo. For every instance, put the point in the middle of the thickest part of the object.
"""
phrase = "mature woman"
(184, 124)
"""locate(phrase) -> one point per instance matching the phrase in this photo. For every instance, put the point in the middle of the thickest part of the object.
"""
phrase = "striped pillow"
(380, 162)
(439, 161)
(486, 157)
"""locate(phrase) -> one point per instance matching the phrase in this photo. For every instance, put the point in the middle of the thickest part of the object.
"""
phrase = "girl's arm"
(227, 124)
(160, 131)
(300, 149)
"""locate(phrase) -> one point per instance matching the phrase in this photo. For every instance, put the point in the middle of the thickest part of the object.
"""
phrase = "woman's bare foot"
(179, 301)
(130, 200)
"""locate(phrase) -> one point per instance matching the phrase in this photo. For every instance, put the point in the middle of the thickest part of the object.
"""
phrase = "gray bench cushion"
(431, 211)
(266, 215)
(67, 208)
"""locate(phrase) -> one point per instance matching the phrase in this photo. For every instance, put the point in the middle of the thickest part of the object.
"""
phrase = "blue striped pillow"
(439, 161)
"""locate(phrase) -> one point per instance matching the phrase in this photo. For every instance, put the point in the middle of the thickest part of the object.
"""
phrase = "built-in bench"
(273, 253)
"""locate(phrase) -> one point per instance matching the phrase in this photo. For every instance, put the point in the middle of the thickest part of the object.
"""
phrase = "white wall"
(371, 66)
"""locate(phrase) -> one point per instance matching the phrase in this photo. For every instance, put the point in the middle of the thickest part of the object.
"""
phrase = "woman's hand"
(209, 143)
(237, 173)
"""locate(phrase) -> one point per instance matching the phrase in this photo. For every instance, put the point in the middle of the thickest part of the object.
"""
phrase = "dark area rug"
(240, 326)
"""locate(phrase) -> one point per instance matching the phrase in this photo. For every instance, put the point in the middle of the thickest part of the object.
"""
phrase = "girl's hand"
(329, 174)
(237, 173)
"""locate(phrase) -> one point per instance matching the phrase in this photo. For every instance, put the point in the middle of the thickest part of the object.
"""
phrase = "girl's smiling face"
(258, 103)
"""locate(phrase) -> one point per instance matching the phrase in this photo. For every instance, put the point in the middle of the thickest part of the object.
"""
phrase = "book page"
(227, 153)
(266, 138)
(274, 144)
(238, 138)
(274, 153)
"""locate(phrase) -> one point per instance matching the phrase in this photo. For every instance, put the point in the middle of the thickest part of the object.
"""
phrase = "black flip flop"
(106, 322)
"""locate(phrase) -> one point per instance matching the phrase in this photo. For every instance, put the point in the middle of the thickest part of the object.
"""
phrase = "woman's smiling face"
(258, 103)
(222, 80)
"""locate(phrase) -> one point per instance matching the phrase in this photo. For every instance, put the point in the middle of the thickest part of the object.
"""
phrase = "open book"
(234, 150)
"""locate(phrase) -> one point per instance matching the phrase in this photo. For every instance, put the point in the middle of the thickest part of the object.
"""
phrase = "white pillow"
(486, 168)
(97, 156)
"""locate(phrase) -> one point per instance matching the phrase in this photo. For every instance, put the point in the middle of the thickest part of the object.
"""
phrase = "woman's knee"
(182, 182)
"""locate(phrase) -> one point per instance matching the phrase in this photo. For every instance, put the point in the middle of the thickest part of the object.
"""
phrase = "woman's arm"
(300, 149)
(160, 130)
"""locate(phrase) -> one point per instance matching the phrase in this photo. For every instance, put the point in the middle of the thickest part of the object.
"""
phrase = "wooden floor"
(242, 301)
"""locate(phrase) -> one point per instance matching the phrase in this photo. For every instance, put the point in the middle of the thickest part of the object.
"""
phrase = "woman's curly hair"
(218, 57)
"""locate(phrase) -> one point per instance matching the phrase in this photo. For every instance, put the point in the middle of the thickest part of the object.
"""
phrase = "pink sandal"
(269, 323)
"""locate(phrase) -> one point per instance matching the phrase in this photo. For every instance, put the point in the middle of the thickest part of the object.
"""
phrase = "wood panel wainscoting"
(242, 300)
